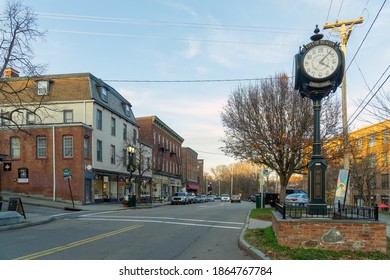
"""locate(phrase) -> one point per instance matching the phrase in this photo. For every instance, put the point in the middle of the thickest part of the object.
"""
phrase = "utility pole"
(231, 181)
(345, 30)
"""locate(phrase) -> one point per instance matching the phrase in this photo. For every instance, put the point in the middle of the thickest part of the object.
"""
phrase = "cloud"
(182, 8)
(192, 50)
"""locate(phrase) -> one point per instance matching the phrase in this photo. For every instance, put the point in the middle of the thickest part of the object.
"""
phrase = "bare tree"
(366, 165)
(18, 26)
(138, 164)
(270, 124)
(379, 108)
(18, 29)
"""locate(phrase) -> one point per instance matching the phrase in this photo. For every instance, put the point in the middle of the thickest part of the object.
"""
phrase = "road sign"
(7, 166)
(67, 173)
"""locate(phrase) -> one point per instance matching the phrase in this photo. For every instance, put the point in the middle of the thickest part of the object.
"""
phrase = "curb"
(251, 250)
(25, 224)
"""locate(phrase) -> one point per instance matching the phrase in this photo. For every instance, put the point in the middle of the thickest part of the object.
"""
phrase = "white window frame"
(67, 146)
(43, 87)
(41, 147)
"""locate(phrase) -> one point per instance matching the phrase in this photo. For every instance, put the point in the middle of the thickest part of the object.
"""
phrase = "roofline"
(158, 122)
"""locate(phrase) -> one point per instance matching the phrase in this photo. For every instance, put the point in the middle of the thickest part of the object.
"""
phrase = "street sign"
(7, 166)
(67, 173)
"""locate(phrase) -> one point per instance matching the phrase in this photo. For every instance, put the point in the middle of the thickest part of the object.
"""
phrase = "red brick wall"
(41, 170)
(365, 236)
(146, 131)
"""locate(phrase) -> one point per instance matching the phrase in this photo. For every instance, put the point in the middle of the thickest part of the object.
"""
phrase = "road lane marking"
(76, 244)
(98, 213)
(163, 218)
(157, 221)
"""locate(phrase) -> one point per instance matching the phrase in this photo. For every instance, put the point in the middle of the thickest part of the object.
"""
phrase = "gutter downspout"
(54, 163)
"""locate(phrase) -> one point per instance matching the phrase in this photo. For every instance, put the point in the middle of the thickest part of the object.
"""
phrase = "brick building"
(190, 169)
(166, 155)
(73, 121)
(201, 176)
(369, 163)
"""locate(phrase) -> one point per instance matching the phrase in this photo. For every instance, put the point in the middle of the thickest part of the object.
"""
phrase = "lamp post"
(231, 181)
(130, 162)
(2, 158)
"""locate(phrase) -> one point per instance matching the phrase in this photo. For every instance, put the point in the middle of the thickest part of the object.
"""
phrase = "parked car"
(291, 191)
(210, 197)
(297, 199)
(225, 197)
(200, 198)
(191, 197)
(179, 198)
(235, 198)
(269, 198)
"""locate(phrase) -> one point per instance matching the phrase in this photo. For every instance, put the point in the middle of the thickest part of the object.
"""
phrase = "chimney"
(11, 73)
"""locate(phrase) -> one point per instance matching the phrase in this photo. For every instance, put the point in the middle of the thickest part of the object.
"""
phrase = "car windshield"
(225, 195)
(179, 194)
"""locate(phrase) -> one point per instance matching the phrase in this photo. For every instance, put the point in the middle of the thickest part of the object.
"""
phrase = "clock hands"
(322, 60)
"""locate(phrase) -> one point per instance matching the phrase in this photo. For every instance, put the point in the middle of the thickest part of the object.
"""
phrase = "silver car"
(225, 197)
(179, 198)
(200, 198)
(297, 199)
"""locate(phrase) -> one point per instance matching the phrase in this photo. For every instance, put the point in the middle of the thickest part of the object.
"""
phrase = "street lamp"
(130, 163)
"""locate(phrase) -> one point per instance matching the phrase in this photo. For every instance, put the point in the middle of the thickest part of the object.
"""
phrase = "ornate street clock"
(319, 67)
(319, 70)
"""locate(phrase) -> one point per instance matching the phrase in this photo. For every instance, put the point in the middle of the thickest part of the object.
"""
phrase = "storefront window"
(98, 188)
(114, 190)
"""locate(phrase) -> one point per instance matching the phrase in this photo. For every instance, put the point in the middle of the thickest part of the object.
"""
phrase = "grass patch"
(261, 214)
(265, 241)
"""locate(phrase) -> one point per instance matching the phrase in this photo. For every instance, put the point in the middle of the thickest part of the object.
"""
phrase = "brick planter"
(324, 233)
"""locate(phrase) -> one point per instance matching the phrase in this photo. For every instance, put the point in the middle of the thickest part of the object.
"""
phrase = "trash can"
(258, 200)
(132, 201)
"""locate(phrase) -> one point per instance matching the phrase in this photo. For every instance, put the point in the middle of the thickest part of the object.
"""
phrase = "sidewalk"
(35, 219)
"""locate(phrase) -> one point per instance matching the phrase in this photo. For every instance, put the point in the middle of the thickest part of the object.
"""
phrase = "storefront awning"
(192, 186)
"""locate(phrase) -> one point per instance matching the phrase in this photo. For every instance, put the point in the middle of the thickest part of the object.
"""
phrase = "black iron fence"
(332, 211)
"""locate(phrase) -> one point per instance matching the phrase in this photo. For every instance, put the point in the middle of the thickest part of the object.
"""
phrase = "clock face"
(320, 62)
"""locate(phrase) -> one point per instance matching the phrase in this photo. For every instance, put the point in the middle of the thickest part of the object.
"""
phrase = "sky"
(180, 60)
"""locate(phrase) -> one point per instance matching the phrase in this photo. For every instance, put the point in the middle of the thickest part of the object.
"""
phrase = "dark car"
(269, 198)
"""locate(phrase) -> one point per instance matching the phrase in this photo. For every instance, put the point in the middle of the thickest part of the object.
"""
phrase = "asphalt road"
(207, 231)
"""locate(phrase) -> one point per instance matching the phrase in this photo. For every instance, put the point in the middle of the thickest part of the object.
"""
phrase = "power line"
(361, 104)
(167, 38)
(330, 7)
(376, 17)
(245, 28)
(211, 153)
(370, 99)
(188, 81)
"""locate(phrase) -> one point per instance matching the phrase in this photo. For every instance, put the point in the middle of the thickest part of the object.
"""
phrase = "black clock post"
(319, 69)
